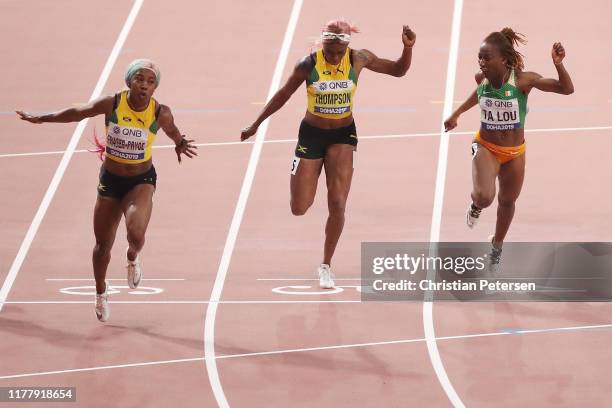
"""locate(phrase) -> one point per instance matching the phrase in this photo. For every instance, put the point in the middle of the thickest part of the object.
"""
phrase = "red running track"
(285, 349)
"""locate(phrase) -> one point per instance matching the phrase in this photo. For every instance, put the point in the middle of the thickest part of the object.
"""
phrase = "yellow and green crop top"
(130, 134)
(331, 88)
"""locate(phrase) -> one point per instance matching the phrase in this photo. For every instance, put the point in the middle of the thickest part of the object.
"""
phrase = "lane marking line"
(305, 279)
(175, 302)
(428, 324)
(371, 137)
(111, 279)
(215, 296)
(314, 349)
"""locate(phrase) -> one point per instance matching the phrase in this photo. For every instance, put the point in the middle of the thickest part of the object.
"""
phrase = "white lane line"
(475, 278)
(100, 368)
(37, 153)
(371, 137)
(315, 349)
(428, 324)
(175, 302)
(305, 279)
(211, 311)
(113, 279)
(59, 173)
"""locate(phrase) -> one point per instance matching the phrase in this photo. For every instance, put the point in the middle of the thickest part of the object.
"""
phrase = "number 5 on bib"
(294, 165)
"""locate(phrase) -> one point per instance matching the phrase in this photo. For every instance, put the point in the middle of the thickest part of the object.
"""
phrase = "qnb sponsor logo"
(503, 104)
(499, 103)
(332, 111)
(340, 85)
(134, 132)
(128, 131)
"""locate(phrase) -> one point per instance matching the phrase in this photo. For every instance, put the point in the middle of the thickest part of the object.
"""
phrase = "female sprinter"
(498, 149)
(127, 177)
(327, 135)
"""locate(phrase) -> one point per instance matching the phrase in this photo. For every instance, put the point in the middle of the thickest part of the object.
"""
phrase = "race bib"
(125, 142)
(294, 165)
(474, 149)
(498, 114)
(333, 97)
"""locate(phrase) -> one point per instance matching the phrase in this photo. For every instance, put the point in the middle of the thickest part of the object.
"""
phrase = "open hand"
(187, 148)
(29, 118)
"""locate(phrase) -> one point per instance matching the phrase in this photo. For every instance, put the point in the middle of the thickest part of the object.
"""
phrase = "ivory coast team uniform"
(129, 139)
(330, 91)
(501, 109)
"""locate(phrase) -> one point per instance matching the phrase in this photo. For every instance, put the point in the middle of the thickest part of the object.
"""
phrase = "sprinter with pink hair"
(327, 135)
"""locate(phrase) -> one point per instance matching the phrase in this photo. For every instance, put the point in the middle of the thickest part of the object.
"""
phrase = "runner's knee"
(103, 249)
(136, 238)
(506, 201)
(336, 204)
(482, 199)
(299, 208)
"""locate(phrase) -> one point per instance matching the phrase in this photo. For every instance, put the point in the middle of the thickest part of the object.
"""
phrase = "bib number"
(294, 165)
(474, 149)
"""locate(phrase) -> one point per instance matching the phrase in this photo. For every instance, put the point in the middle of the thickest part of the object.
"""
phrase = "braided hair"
(505, 41)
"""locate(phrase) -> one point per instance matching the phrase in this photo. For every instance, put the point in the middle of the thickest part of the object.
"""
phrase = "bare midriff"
(326, 123)
(505, 138)
(127, 170)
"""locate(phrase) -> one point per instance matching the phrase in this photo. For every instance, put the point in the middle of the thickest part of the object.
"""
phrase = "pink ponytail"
(100, 146)
(341, 25)
(337, 25)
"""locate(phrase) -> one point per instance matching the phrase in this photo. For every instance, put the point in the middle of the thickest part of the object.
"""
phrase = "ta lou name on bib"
(498, 114)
